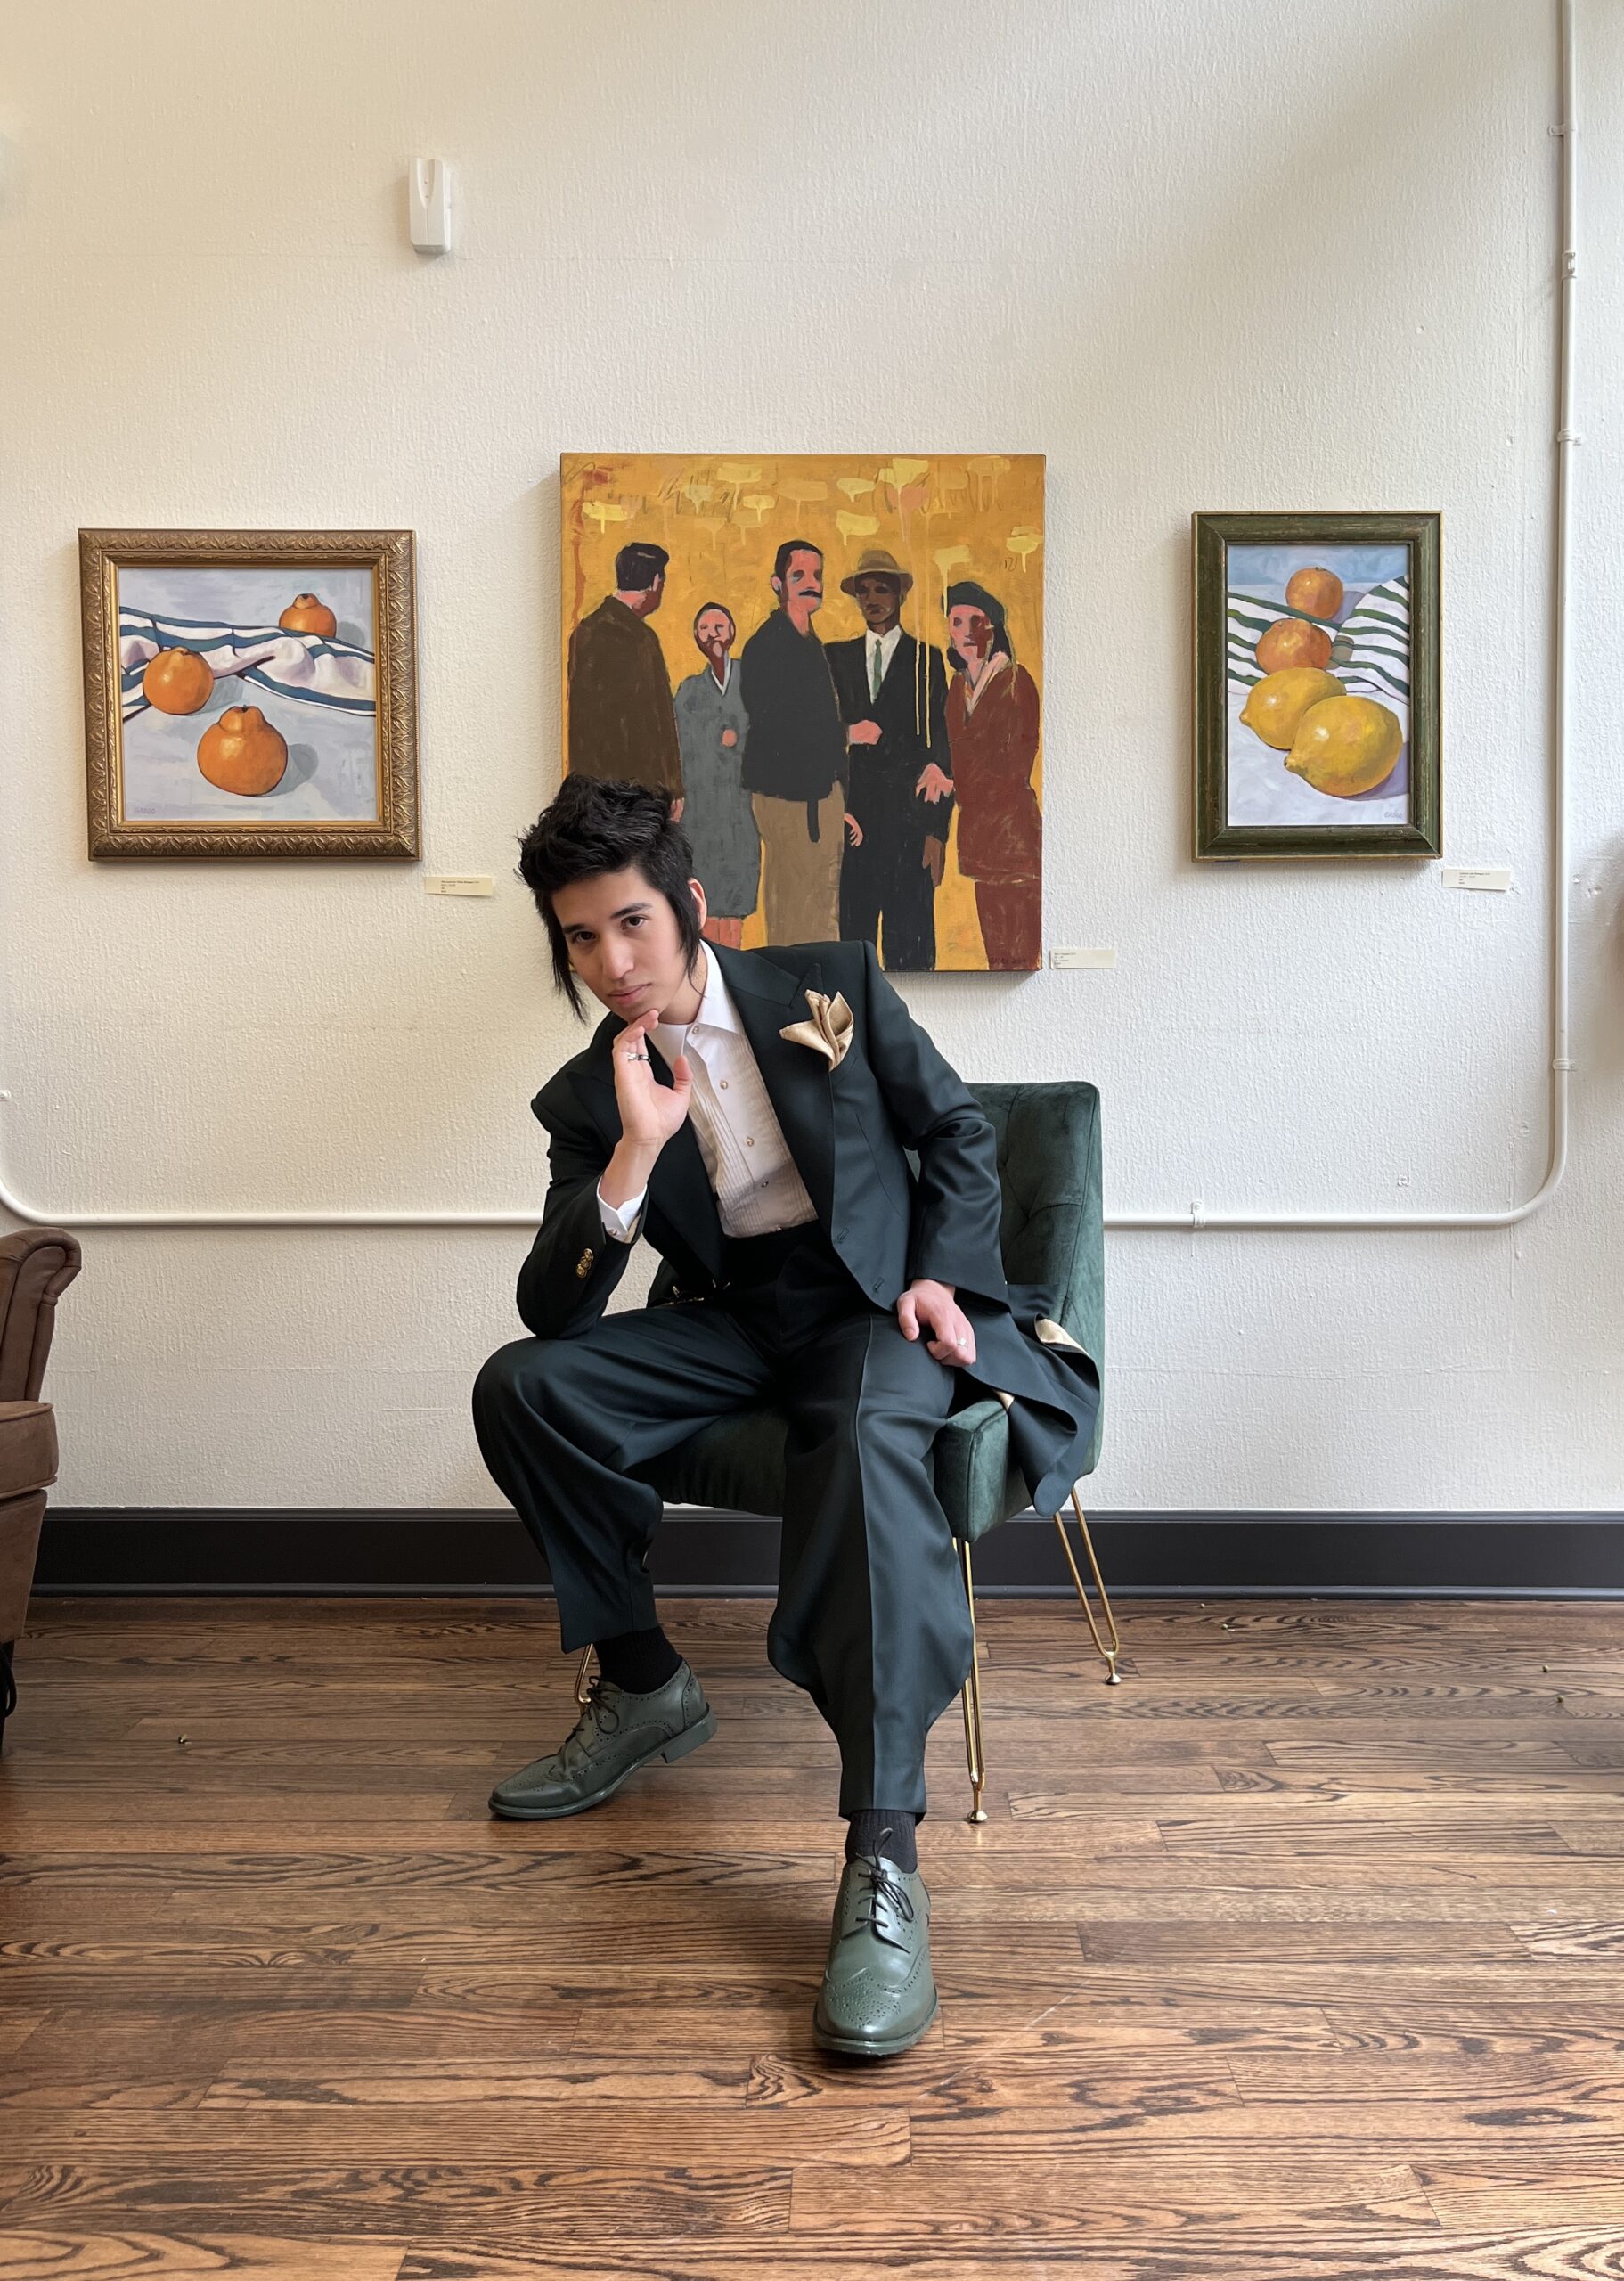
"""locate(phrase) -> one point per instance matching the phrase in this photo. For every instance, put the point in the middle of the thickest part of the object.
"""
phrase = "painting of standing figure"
(833, 666)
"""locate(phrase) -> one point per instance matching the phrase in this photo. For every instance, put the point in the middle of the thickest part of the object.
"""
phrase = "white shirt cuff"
(620, 1220)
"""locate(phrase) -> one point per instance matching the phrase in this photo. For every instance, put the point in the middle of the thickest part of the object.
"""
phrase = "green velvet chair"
(1049, 1164)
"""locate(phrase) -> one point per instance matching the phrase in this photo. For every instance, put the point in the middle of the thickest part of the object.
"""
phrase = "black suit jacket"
(847, 1129)
(911, 710)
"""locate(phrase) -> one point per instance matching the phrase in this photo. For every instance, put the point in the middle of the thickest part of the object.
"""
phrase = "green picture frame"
(1318, 607)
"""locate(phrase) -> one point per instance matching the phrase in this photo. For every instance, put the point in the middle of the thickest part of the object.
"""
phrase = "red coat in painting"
(992, 737)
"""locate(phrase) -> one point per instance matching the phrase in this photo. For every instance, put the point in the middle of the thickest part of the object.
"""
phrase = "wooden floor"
(1299, 1954)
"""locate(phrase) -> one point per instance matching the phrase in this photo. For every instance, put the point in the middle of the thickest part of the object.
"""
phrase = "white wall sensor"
(429, 191)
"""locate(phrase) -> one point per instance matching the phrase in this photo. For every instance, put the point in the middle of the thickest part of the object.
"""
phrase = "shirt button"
(749, 1140)
(724, 1084)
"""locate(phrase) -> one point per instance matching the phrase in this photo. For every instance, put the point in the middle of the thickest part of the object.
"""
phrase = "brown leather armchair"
(36, 1265)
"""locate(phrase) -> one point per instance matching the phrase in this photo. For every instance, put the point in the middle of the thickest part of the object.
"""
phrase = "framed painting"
(249, 692)
(834, 665)
(1317, 685)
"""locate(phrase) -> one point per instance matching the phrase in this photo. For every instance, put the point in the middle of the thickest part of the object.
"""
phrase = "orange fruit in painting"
(242, 752)
(177, 680)
(1318, 591)
(309, 614)
(1293, 641)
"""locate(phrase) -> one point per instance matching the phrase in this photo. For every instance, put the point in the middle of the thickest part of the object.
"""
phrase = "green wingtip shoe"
(878, 1993)
(614, 1735)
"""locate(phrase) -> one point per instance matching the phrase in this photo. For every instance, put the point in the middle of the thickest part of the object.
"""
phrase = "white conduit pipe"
(1197, 1217)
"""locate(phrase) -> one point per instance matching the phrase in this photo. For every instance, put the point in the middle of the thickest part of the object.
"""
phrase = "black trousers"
(885, 879)
(871, 1616)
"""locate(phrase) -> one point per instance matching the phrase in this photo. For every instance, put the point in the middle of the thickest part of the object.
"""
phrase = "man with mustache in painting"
(796, 757)
(713, 728)
(896, 786)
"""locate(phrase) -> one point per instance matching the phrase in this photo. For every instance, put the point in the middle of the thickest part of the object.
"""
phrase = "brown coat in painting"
(994, 746)
(621, 722)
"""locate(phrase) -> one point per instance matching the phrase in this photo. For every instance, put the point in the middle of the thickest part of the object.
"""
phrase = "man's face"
(713, 634)
(623, 940)
(880, 600)
(801, 584)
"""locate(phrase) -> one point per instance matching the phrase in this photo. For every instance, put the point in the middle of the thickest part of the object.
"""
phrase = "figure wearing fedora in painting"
(897, 786)
(750, 1112)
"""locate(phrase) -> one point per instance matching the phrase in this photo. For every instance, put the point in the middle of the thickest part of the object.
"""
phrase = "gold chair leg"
(1110, 1648)
(972, 1702)
(587, 1654)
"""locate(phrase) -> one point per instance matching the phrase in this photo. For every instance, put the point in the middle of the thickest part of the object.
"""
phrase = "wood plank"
(1300, 1954)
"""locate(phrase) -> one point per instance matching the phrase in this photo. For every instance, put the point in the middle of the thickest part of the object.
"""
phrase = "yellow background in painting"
(723, 518)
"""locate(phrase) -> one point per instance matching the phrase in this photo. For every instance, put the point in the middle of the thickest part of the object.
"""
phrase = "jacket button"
(583, 1264)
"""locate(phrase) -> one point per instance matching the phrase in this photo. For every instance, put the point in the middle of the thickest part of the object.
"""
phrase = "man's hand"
(677, 807)
(932, 858)
(729, 738)
(853, 830)
(933, 782)
(930, 1306)
(650, 1112)
(863, 733)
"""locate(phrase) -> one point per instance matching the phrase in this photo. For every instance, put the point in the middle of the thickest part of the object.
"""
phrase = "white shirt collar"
(726, 675)
(717, 1011)
(886, 643)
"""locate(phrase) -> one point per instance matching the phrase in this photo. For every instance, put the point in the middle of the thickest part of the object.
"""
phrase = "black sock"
(867, 1834)
(638, 1661)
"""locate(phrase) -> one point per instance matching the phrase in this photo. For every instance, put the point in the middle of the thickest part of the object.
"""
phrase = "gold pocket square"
(829, 1030)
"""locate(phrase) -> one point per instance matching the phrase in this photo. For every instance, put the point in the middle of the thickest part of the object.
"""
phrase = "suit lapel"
(680, 1189)
(796, 1079)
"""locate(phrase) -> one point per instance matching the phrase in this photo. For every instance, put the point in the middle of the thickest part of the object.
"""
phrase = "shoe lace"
(882, 1892)
(599, 1716)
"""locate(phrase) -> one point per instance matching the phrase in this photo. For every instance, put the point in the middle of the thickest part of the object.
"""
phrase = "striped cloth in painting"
(1369, 650)
(304, 666)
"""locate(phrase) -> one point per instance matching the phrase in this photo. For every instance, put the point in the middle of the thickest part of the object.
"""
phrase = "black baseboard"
(1567, 1556)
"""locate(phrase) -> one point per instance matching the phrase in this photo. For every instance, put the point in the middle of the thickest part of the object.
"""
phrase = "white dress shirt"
(757, 1185)
(886, 643)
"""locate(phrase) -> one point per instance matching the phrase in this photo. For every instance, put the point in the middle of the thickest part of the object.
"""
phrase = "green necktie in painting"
(875, 670)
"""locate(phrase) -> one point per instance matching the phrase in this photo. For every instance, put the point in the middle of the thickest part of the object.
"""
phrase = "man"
(898, 788)
(798, 753)
(621, 720)
(711, 728)
(749, 1111)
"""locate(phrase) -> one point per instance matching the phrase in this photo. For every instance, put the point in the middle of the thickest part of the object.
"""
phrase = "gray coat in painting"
(717, 818)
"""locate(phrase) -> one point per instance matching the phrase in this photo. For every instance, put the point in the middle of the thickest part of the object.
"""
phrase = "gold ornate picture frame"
(249, 692)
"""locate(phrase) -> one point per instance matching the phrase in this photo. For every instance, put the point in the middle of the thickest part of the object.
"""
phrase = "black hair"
(596, 826)
(722, 607)
(780, 560)
(967, 590)
(638, 566)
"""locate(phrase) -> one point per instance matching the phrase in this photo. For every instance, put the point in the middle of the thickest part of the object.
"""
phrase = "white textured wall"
(1199, 268)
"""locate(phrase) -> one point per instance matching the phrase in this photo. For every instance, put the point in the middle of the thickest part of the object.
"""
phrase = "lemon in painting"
(1345, 746)
(1279, 702)
(1293, 641)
